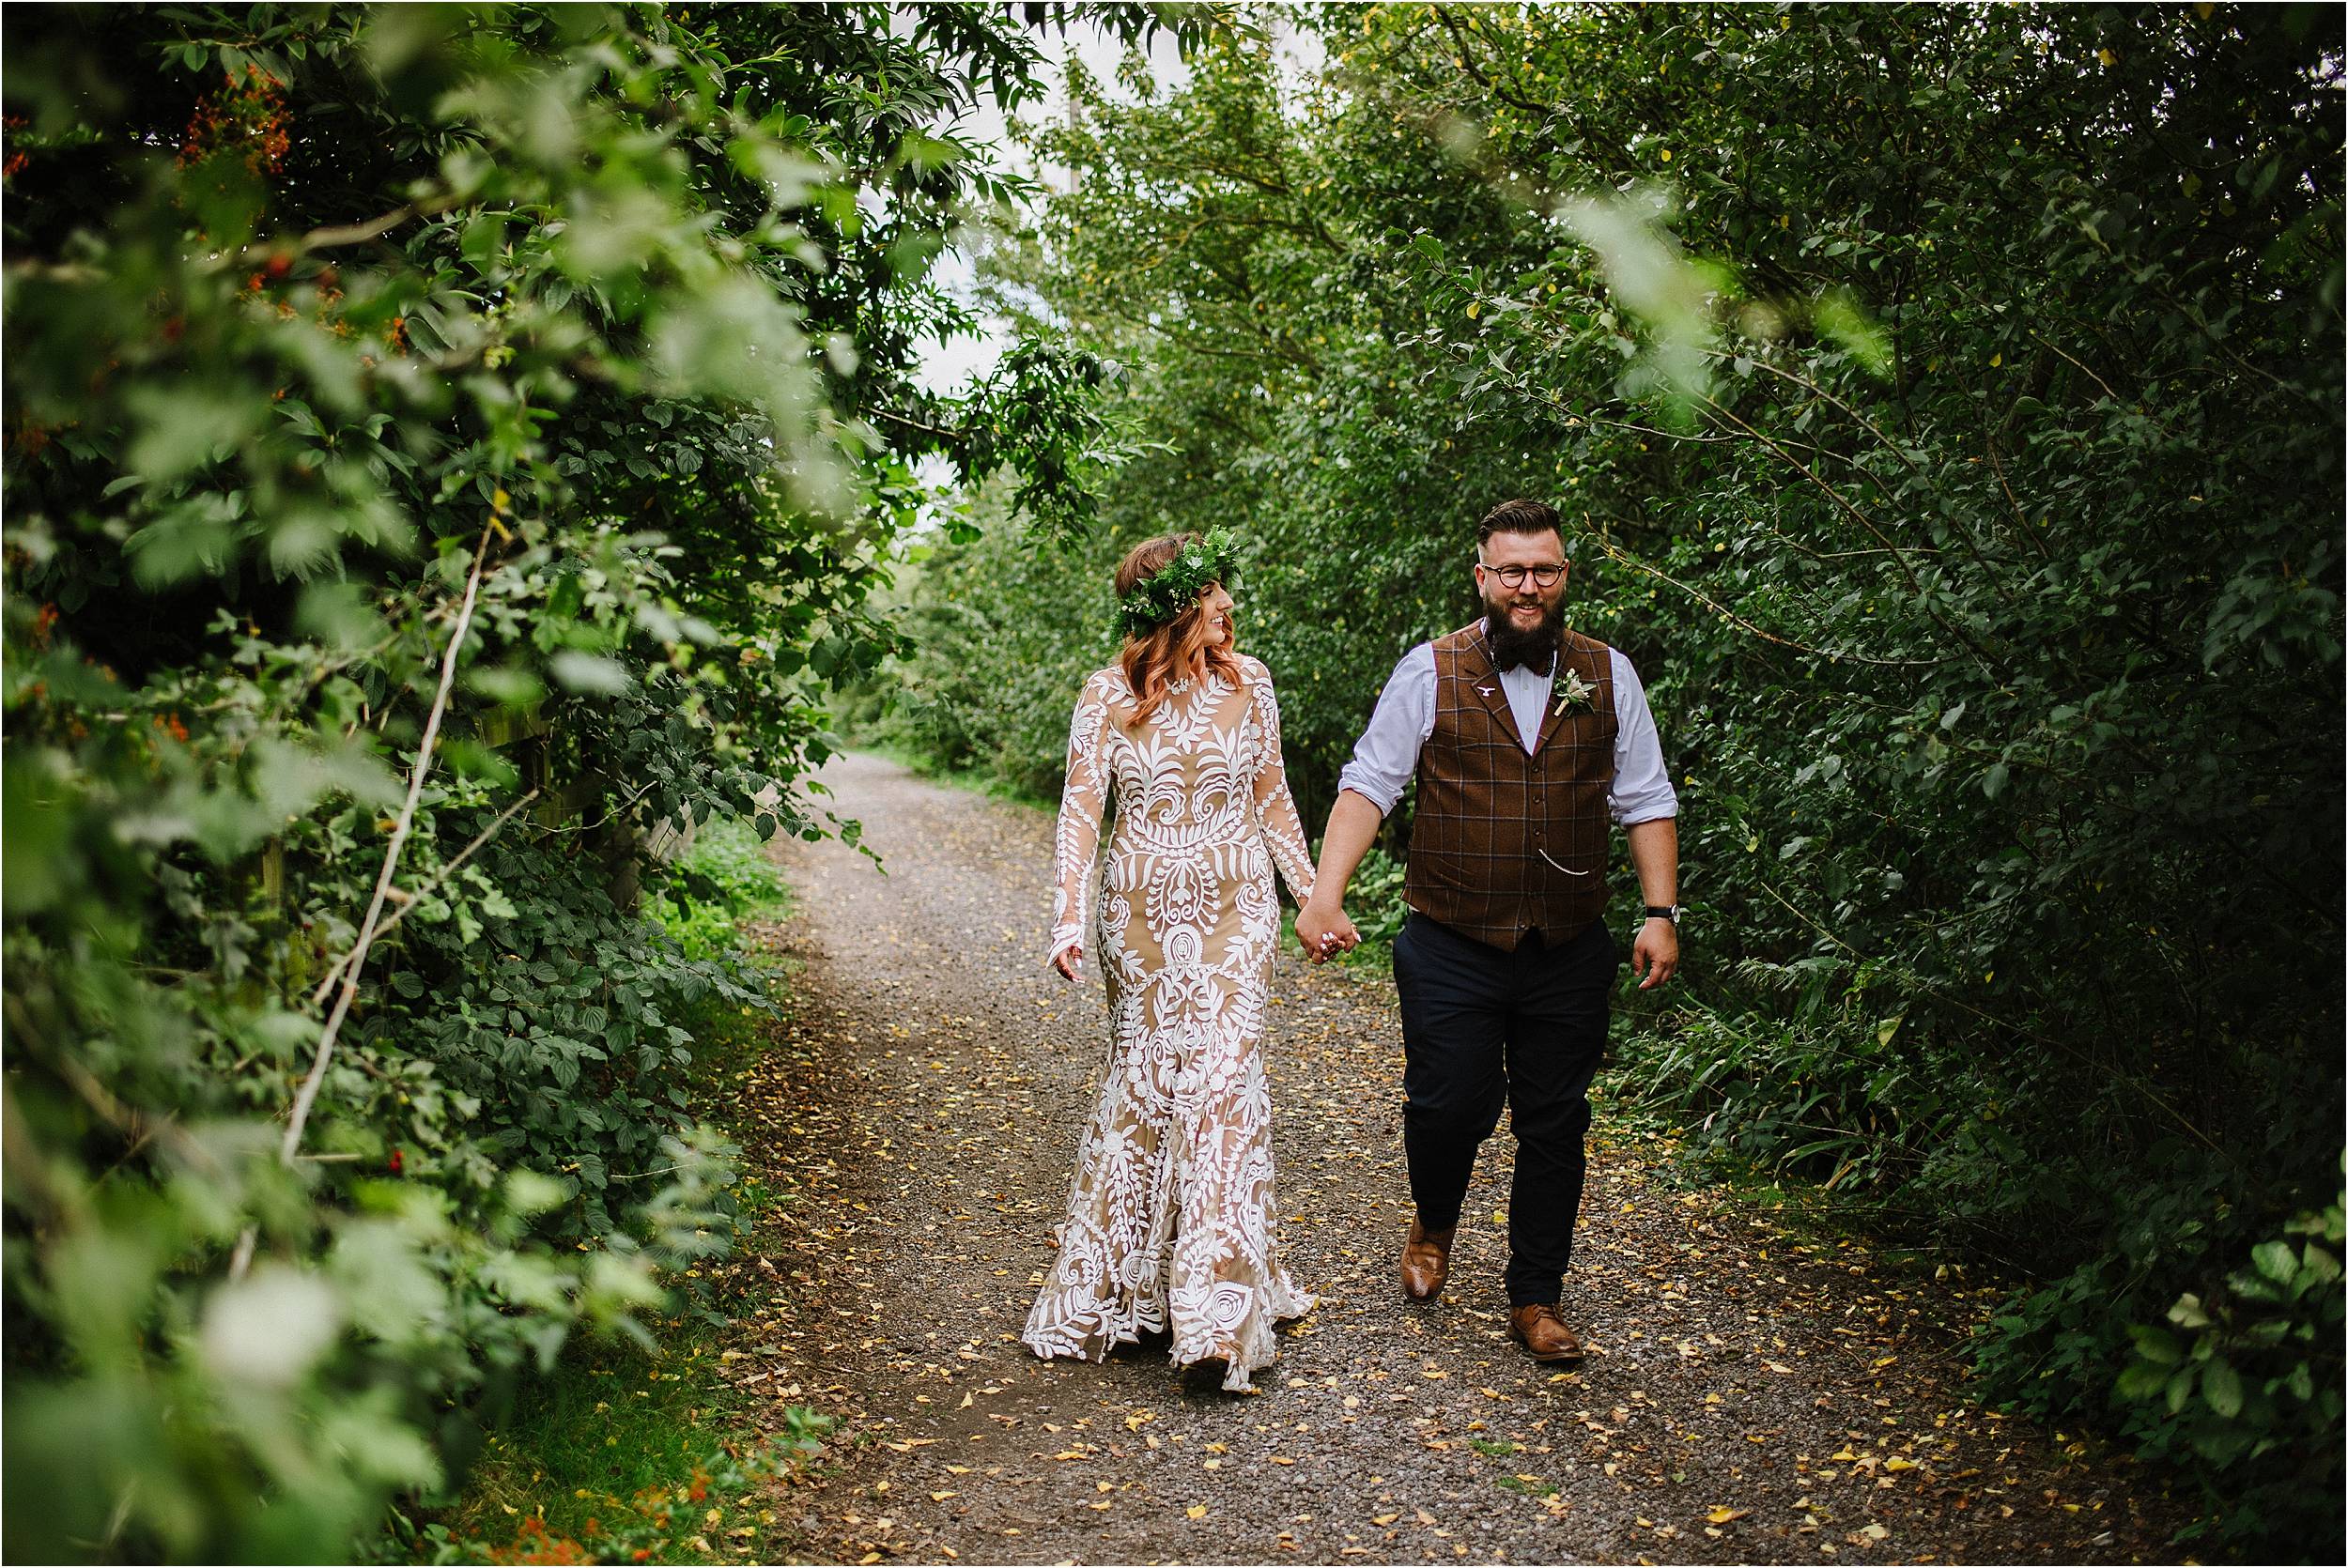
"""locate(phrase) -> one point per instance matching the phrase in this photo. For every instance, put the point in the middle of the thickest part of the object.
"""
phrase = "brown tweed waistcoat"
(1493, 818)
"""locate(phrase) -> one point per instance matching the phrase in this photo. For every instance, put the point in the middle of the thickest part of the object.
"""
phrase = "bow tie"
(1500, 668)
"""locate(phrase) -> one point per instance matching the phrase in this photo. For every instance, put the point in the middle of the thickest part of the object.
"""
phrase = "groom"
(1524, 737)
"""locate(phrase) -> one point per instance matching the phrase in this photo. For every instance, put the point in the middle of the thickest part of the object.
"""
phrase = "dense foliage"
(446, 448)
(1946, 407)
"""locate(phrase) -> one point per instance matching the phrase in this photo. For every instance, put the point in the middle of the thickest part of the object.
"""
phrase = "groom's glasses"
(1513, 577)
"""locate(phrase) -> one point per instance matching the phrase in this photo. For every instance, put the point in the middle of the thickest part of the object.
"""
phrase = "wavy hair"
(1155, 659)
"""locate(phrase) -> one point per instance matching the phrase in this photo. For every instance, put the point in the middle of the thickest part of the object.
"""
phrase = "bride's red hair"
(1155, 659)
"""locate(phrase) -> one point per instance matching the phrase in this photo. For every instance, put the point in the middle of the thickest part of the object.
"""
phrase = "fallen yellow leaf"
(1721, 1516)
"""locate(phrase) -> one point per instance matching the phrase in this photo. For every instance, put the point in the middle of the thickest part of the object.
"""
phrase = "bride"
(1170, 1212)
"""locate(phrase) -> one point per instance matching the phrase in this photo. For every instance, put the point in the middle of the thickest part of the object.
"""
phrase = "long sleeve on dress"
(1276, 808)
(1081, 801)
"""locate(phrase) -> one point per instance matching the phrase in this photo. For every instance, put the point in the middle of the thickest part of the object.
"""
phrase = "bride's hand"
(1067, 959)
(1324, 931)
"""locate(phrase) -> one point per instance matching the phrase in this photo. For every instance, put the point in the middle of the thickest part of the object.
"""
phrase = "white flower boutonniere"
(1571, 691)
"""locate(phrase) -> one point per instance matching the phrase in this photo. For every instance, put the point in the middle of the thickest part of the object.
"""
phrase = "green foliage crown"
(1175, 587)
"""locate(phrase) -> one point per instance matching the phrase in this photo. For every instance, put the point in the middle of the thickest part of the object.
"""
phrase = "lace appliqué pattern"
(1170, 1212)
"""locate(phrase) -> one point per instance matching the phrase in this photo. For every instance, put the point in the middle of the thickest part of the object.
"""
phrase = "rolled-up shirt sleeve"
(1387, 754)
(1641, 791)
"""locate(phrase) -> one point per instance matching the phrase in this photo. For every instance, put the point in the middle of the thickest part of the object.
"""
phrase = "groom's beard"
(1535, 648)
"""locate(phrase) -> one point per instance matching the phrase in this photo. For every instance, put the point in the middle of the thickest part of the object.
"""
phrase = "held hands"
(1324, 931)
(1655, 953)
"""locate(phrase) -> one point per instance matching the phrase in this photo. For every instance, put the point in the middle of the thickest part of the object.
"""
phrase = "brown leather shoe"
(1426, 1261)
(1543, 1333)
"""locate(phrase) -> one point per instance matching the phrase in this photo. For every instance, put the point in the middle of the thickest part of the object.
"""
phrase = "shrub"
(2244, 1389)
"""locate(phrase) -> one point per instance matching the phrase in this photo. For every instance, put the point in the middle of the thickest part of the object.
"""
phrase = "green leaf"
(2221, 1387)
(2180, 1388)
(590, 672)
(186, 425)
(483, 237)
(1839, 316)
(527, 1191)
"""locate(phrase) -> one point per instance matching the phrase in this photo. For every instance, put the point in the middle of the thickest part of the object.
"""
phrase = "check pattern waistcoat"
(1504, 841)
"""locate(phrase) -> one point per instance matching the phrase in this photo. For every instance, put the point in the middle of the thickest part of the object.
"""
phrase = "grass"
(607, 1442)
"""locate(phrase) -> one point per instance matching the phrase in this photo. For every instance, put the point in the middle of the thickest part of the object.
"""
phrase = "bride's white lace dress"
(1170, 1215)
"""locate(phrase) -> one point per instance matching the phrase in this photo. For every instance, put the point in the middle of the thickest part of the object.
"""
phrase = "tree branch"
(306, 1097)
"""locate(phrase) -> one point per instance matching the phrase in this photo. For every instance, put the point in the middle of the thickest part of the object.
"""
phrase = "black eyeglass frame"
(1513, 576)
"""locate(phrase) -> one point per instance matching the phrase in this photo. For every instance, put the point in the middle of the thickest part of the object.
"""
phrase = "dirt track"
(1752, 1396)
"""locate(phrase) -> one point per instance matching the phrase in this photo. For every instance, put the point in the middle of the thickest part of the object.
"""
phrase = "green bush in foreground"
(2244, 1388)
(445, 448)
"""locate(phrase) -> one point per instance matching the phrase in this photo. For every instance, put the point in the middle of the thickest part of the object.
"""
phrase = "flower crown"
(1175, 587)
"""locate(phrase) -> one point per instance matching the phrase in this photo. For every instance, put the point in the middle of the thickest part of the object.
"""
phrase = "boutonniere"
(1571, 691)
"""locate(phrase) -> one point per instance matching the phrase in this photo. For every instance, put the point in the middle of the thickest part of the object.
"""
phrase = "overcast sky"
(946, 367)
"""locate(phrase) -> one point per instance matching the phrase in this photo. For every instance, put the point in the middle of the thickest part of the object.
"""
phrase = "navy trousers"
(1482, 1028)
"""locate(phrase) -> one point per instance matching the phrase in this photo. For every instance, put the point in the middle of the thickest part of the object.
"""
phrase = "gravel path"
(1753, 1394)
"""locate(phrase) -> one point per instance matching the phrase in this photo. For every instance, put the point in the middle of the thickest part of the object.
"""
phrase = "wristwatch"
(1664, 911)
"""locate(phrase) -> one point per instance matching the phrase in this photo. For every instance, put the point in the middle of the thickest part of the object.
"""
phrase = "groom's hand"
(1655, 955)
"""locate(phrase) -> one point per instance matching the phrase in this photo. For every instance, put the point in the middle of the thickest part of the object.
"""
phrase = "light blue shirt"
(1387, 754)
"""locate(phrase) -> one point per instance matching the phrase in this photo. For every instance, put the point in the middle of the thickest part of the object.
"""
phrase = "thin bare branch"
(306, 1097)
